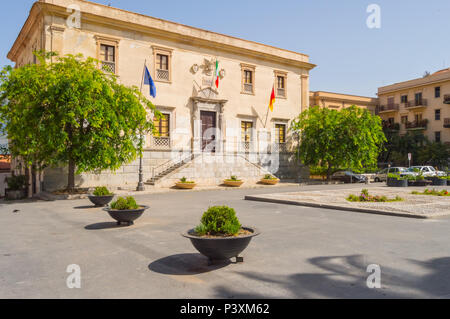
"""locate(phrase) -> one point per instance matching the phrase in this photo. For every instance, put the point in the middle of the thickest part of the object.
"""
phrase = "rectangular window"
(418, 117)
(162, 64)
(108, 58)
(162, 126)
(391, 120)
(248, 79)
(437, 115)
(280, 133)
(162, 67)
(280, 84)
(437, 92)
(437, 136)
(404, 99)
(246, 131)
(390, 101)
(405, 119)
(418, 99)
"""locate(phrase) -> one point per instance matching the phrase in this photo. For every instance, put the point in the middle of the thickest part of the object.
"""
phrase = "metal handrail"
(166, 165)
(420, 102)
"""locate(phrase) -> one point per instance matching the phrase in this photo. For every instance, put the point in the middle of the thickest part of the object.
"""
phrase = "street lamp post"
(141, 186)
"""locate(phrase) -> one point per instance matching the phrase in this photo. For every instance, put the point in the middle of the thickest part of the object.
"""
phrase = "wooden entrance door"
(208, 130)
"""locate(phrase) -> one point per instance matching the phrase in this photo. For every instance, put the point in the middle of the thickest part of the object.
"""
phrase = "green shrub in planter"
(102, 191)
(219, 220)
(185, 181)
(125, 203)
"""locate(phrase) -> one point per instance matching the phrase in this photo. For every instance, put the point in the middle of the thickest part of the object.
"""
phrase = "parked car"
(426, 171)
(381, 176)
(348, 177)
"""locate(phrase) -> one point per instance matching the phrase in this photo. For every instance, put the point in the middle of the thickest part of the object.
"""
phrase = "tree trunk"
(71, 175)
(329, 172)
(71, 172)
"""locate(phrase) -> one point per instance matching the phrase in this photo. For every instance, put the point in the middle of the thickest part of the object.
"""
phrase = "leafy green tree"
(349, 138)
(435, 153)
(398, 146)
(72, 113)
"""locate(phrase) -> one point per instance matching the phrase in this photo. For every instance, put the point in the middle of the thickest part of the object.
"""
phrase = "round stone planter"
(126, 216)
(101, 201)
(233, 183)
(392, 182)
(439, 181)
(419, 183)
(221, 248)
(270, 181)
(185, 185)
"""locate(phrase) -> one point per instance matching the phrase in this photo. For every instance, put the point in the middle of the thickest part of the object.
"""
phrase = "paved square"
(302, 252)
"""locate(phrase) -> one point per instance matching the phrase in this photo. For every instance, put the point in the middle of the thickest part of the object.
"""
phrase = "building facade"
(231, 122)
(420, 105)
(339, 101)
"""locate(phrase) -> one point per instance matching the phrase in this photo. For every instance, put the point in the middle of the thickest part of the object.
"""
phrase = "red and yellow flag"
(272, 99)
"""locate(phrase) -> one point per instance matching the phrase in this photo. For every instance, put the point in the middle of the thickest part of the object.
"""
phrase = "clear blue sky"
(351, 58)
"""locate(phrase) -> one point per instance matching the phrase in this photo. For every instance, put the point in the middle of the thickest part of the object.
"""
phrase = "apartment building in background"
(339, 101)
(421, 105)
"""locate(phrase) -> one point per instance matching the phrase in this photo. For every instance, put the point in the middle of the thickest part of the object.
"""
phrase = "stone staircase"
(168, 167)
(207, 170)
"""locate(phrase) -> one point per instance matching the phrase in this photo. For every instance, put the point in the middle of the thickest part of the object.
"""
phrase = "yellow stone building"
(232, 121)
(418, 105)
(339, 101)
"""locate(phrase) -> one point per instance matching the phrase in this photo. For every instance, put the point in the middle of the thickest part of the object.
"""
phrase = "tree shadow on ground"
(105, 225)
(346, 277)
(185, 264)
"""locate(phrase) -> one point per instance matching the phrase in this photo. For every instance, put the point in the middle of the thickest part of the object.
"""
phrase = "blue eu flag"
(149, 81)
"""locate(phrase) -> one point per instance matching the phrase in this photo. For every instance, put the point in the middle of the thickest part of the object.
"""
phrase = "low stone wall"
(126, 176)
(285, 166)
(209, 170)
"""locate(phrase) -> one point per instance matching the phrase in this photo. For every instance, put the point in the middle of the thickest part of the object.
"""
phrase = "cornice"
(411, 84)
(205, 100)
(35, 14)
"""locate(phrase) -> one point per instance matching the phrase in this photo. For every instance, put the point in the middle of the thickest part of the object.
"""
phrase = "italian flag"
(217, 74)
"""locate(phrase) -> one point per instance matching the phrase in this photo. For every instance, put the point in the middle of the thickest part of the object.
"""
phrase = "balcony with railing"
(387, 108)
(279, 148)
(246, 147)
(109, 67)
(388, 126)
(417, 104)
(281, 92)
(248, 87)
(447, 99)
(417, 125)
(447, 123)
(162, 75)
(160, 143)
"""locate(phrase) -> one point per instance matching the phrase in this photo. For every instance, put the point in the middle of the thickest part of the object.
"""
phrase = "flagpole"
(143, 74)
(268, 107)
(140, 187)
